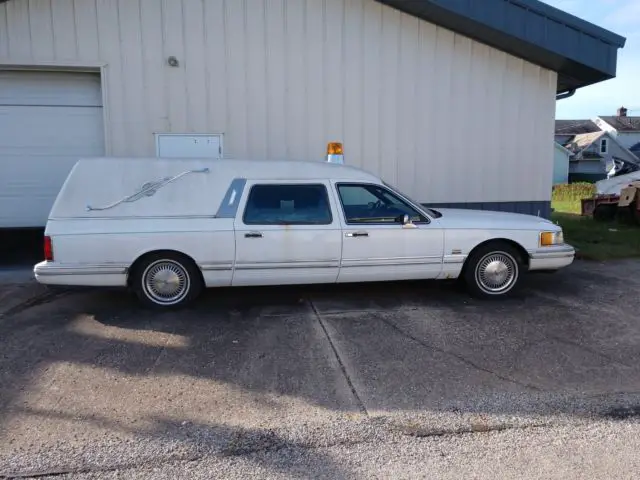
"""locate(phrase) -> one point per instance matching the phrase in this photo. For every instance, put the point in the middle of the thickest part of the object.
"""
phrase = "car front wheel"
(493, 270)
(166, 280)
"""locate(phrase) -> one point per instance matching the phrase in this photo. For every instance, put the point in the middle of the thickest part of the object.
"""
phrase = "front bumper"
(551, 258)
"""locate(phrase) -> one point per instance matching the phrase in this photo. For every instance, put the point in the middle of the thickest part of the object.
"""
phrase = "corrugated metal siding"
(441, 116)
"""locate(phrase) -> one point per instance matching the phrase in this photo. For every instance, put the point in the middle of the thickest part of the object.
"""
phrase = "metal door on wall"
(178, 145)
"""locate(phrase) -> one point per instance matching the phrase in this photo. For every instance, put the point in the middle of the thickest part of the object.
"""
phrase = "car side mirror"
(403, 219)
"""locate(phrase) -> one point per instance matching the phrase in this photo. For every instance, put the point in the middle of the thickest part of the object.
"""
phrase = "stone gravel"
(590, 450)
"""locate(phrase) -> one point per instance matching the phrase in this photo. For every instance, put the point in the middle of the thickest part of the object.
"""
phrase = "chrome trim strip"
(455, 258)
(286, 265)
(216, 266)
(108, 269)
(562, 251)
(539, 256)
(397, 261)
(137, 217)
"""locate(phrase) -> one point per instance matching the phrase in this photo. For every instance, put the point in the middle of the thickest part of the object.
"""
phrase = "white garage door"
(47, 121)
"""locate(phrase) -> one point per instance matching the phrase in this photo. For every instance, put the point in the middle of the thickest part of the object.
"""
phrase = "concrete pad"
(598, 300)
(511, 342)
(393, 372)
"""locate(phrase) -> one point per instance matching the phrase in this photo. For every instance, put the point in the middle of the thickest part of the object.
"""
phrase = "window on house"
(604, 145)
(288, 205)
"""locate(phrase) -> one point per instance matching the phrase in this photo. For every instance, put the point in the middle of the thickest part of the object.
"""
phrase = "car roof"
(247, 168)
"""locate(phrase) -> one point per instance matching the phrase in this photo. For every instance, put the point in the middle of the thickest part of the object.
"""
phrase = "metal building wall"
(441, 116)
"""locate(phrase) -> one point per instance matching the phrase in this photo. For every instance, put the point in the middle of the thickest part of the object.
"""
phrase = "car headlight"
(548, 239)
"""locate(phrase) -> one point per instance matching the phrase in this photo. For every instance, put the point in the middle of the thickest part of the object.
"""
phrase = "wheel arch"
(524, 255)
(138, 261)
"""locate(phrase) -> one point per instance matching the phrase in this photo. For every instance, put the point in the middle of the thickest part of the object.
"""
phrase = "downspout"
(566, 94)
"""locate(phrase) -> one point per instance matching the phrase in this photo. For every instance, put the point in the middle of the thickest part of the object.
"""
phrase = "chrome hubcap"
(166, 282)
(497, 272)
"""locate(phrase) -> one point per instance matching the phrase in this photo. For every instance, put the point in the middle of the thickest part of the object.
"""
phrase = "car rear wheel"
(166, 280)
(493, 270)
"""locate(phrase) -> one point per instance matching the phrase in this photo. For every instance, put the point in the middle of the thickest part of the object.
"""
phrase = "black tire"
(181, 284)
(495, 255)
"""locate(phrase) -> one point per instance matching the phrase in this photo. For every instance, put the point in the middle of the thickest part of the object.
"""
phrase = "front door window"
(373, 204)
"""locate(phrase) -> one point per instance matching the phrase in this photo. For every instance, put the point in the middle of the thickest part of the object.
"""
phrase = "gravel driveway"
(342, 382)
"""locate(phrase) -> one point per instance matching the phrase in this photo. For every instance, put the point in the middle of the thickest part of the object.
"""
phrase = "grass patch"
(593, 240)
(566, 198)
(566, 206)
(572, 192)
(597, 240)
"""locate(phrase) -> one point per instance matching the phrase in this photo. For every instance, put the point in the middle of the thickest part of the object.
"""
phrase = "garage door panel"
(29, 189)
(48, 120)
(44, 174)
(50, 88)
(71, 130)
(18, 214)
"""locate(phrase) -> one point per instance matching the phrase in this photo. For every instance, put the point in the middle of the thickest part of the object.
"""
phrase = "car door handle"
(253, 235)
(357, 234)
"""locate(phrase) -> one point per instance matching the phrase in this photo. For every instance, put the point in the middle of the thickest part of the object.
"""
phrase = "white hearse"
(167, 228)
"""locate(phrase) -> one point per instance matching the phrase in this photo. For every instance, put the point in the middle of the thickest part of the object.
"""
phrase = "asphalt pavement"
(403, 380)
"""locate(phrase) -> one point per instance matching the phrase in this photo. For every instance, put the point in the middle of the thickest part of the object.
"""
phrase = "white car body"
(111, 212)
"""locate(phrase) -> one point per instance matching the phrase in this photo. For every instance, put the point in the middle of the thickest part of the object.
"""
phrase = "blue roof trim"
(581, 53)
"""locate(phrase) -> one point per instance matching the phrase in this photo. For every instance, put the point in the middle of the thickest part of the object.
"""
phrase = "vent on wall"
(187, 145)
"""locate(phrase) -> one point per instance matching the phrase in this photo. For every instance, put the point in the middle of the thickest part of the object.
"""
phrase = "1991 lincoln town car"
(167, 228)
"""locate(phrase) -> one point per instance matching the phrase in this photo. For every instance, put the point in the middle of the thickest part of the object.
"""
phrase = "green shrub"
(573, 192)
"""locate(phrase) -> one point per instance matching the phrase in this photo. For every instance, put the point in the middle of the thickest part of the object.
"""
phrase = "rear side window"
(288, 205)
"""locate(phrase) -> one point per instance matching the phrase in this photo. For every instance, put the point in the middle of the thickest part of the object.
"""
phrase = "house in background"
(593, 155)
(593, 147)
(561, 157)
(626, 129)
(565, 129)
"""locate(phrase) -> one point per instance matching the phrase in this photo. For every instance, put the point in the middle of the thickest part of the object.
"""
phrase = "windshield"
(433, 213)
